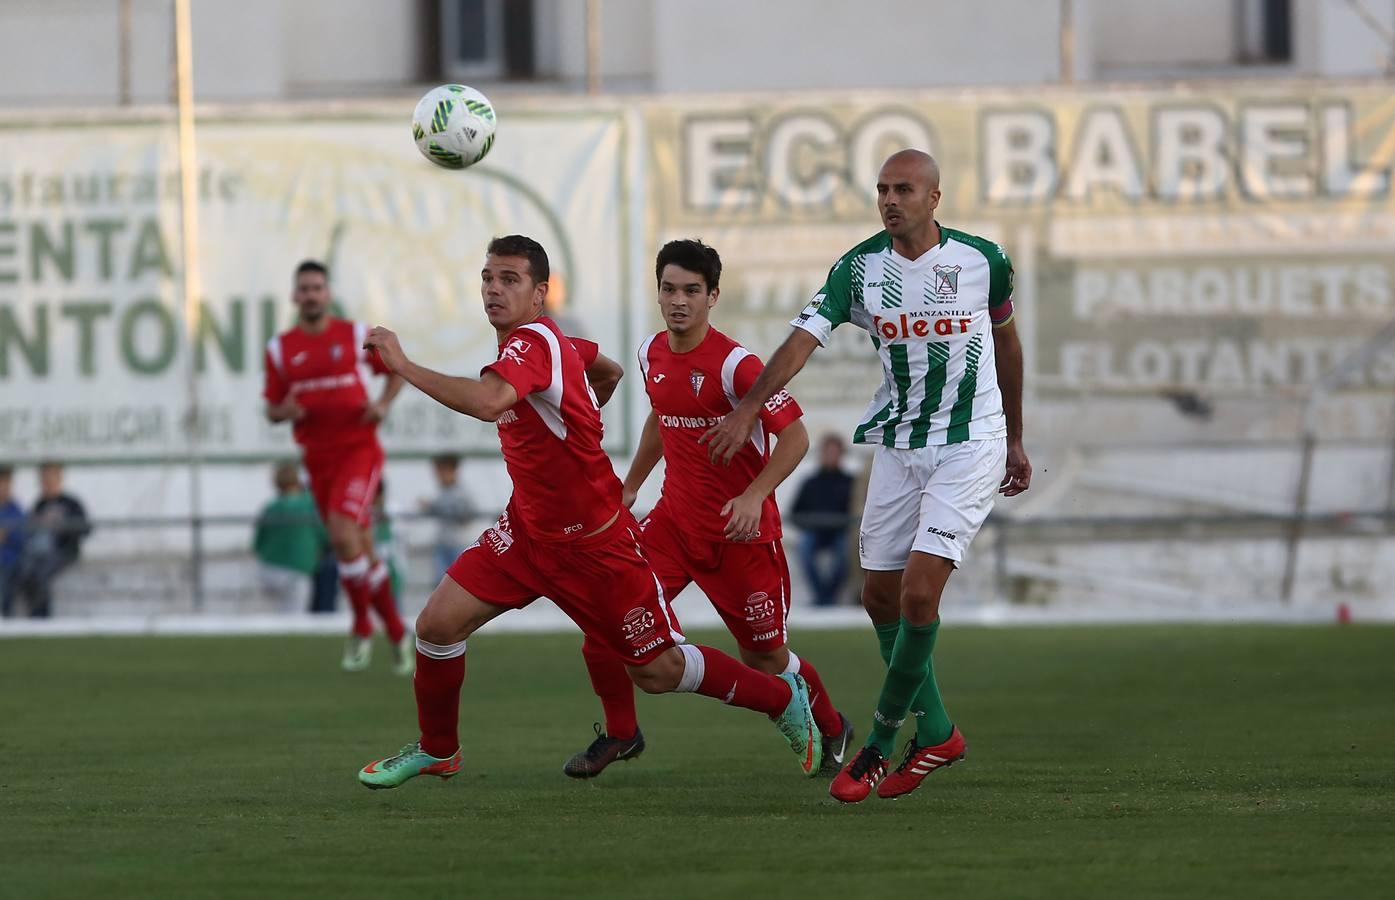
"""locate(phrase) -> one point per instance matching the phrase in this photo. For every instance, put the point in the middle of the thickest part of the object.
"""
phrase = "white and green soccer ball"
(454, 126)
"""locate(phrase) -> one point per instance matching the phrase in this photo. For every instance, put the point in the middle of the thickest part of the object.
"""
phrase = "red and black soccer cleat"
(858, 777)
(919, 762)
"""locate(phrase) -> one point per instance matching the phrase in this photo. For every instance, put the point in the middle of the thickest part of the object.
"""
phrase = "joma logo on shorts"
(942, 533)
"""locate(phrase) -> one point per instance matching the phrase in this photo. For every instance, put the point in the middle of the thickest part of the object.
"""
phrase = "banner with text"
(1206, 250)
(95, 360)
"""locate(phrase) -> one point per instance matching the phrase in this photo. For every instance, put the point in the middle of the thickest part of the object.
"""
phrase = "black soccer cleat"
(603, 751)
(835, 748)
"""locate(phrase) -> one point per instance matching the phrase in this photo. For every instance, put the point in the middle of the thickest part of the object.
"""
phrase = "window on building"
(486, 39)
(1263, 31)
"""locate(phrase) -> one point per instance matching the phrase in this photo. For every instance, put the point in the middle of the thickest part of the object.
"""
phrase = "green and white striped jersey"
(929, 319)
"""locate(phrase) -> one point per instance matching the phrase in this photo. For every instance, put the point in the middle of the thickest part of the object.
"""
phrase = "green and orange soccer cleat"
(409, 762)
(796, 723)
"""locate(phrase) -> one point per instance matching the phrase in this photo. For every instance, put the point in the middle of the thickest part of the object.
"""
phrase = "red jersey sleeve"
(375, 362)
(275, 389)
(588, 350)
(524, 362)
(370, 354)
(780, 410)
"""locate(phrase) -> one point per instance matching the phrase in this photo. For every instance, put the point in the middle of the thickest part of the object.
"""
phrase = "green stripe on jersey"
(891, 284)
(963, 411)
(934, 389)
(860, 434)
(901, 373)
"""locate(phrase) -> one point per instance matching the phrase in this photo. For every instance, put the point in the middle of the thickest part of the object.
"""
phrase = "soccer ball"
(454, 126)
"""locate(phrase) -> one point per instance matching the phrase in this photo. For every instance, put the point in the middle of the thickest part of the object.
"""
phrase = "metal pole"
(593, 46)
(123, 52)
(1300, 516)
(1067, 42)
(193, 288)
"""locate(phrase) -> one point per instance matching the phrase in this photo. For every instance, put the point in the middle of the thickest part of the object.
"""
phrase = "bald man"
(947, 426)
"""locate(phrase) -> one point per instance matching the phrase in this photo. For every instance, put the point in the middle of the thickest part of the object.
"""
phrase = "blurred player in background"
(317, 377)
(289, 540)
(947, 425)
(565, 532)
(717, 526)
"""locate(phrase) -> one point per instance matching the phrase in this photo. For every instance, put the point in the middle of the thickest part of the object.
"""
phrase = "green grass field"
(1103, 762)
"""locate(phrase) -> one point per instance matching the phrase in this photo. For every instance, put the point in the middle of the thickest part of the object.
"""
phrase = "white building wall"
(1341, 43)
(347, 44)
(628, 49)
(725, 45)
(238, 49)
(1128, 34)
(65, 51)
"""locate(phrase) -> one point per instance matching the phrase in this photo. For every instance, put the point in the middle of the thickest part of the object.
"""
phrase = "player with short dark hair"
(315, 378)
(715, 526)
(564, 534)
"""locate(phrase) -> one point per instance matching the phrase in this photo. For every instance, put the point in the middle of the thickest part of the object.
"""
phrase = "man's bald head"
(908, 191)
(916, 161)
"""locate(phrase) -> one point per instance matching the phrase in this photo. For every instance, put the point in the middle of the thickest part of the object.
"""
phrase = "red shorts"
(344, 480)
(602, 582)
(748, 584)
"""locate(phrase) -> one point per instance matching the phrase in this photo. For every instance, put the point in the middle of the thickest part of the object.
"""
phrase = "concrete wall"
(347, 44)
(1332, 39)
(735, 44)
(65, 51)
(628, 50)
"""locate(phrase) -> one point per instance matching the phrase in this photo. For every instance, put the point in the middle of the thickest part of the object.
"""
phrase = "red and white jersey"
(690, 392)
(327, 374)
(564, 486)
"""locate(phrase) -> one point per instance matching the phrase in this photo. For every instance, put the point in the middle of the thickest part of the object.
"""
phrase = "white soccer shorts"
(933, 499)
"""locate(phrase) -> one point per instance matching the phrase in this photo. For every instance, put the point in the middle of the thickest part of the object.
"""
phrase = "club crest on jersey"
(336, 351)
(946, 281)
(696, 378)
(514, 350)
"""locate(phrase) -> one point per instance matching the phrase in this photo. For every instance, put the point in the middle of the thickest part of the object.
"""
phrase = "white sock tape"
(441, 651)
(693, 669)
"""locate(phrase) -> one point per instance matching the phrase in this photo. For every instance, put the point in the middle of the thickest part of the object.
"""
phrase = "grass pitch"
(1103, 762)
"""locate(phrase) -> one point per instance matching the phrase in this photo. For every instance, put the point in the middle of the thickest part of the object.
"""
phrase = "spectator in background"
(288, 541)
(385, 544)
(53, 540)
(326, 580)
(822, 510)
(11, 540)
(452, 509)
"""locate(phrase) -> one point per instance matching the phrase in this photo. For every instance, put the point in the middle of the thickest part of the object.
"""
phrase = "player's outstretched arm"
(604, 374)
(791, 443)
(725, 439)
(484, 398)
(647, 456)
(1007, 353)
